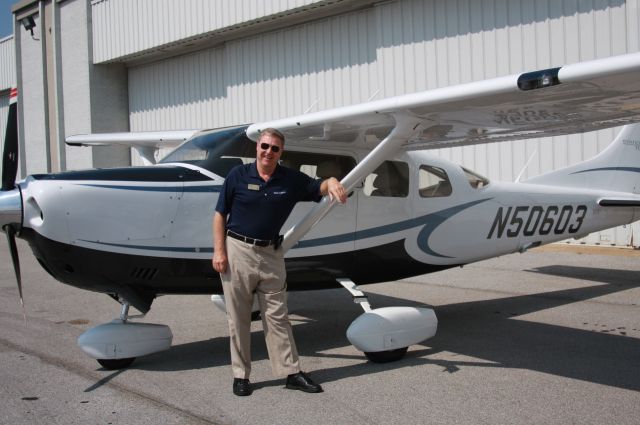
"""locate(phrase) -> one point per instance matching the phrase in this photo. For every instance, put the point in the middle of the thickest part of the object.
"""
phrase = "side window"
(317, 165)
(476, 181)
(433, 182)
(390, 179)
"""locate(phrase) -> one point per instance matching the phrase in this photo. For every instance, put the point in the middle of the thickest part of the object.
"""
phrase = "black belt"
(252, 241)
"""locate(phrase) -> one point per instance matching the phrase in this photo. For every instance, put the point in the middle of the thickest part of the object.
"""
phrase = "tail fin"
(617, 168)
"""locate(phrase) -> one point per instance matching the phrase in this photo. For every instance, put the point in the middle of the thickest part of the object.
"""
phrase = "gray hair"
(272, 132)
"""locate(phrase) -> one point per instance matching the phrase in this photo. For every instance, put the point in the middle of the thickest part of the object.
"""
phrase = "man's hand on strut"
(220, 262)
(334, 189)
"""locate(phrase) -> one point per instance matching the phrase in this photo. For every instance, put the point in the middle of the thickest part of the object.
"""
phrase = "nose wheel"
(386, 356)
(116, 364)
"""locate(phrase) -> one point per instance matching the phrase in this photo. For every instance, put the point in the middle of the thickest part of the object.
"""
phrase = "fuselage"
(148, 229)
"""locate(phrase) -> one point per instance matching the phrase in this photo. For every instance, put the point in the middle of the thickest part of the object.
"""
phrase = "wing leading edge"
(145, 142)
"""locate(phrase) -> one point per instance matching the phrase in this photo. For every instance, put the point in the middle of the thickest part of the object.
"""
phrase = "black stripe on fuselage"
(106, 272)
(130, 174)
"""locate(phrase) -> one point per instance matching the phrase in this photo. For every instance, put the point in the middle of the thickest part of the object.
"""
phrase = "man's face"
(266, 155)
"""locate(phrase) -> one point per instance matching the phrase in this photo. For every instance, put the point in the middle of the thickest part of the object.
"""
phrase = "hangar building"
(92, 66)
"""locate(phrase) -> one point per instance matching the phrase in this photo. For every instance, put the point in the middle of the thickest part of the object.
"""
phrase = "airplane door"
(331, 240)
(383, 210)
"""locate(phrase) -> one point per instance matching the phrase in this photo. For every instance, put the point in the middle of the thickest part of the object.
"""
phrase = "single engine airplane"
(139, 232)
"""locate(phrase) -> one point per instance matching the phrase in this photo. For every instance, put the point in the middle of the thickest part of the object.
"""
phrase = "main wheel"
(387, 356)
(115, 364)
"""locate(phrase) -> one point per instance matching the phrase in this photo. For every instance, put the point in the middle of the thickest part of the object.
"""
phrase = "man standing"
(254, 203)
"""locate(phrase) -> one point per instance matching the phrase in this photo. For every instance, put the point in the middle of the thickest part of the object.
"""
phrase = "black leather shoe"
(242, 387)
(300, 381)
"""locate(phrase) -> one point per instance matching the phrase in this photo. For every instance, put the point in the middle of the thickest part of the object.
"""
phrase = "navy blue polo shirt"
(258, 209)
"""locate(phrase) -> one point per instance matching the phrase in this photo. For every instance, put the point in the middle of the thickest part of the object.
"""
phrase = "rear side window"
(476, 181)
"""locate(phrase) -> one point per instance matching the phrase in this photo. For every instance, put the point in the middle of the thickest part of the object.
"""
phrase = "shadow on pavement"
(491, 331)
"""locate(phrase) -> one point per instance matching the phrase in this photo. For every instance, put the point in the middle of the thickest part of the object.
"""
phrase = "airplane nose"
(10, 208)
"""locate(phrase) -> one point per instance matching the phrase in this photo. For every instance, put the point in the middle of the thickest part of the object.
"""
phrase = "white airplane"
(139, 232)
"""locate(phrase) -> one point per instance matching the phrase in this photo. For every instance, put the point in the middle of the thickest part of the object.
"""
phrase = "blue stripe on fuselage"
(629, 169)
(193, 189)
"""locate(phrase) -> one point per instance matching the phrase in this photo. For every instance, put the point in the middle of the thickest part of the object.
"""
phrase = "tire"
(115, 364)
(387, 356)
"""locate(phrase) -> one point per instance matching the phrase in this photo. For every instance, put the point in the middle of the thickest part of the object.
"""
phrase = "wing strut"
(406, 126)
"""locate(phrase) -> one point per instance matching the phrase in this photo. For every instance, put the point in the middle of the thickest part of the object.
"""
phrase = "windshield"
(217, 151)
(220, 150)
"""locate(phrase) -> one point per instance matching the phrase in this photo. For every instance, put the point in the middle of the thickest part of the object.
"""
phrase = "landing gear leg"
(385, 334)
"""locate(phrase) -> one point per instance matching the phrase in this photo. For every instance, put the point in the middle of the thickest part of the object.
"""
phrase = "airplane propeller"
(10, 198)
(10, 154)
(13, 249)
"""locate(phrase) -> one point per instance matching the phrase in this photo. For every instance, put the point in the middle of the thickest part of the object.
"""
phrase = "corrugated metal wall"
(7, 80)
(4, 112)
(123, 27)
(393, 48)
(7, 63)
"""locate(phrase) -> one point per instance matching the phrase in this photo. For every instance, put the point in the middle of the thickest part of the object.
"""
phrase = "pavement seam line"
(70, 367)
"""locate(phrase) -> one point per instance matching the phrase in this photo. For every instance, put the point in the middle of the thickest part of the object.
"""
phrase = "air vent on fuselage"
(143, 273)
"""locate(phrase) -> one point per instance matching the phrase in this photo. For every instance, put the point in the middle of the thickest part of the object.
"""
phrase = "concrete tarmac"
(543, 337)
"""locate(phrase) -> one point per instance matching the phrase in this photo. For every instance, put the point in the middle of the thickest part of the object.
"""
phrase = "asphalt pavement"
(550, 336)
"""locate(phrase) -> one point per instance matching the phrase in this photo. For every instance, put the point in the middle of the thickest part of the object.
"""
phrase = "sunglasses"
(266, 146)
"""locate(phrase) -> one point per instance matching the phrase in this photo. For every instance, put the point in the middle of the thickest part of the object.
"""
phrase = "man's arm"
(220, 262)
(334, 189)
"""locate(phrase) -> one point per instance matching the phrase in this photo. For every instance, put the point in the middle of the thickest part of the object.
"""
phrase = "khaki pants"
(260, 270)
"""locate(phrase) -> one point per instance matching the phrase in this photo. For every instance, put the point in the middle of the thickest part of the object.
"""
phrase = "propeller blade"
(10, 154)
(13, 249)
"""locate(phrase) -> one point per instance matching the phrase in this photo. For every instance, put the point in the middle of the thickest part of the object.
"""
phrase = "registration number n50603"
(525, 220)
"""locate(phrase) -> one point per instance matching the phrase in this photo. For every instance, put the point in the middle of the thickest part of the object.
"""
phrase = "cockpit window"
(433, 182)
(220, 150)
(318, 165)
(475, 180)
(390, 179)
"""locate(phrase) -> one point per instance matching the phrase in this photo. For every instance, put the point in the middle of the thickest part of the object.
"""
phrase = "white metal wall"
(123, 27)
(393, 48)
(76, 82)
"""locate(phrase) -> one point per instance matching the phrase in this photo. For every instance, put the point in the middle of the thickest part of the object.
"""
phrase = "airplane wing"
(145, 142)
(574, 98)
